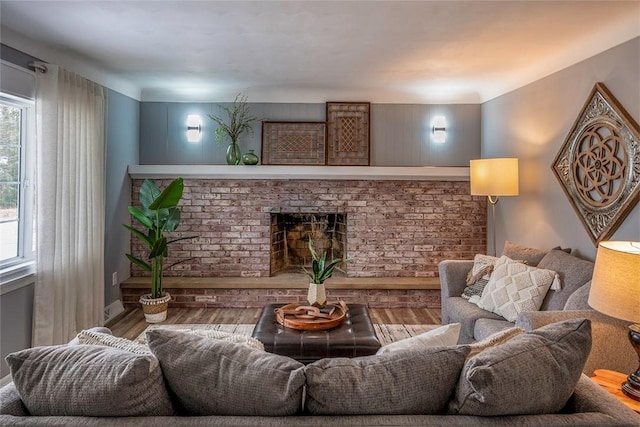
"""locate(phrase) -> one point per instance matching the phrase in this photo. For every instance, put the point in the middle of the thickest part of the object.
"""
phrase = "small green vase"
(233, 154)
(250, 158)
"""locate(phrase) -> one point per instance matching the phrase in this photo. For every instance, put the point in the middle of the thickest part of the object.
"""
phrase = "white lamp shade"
(615, 286)
(494, 177)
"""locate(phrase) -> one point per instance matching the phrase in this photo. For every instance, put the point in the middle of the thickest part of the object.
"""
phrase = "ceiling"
(315, 51)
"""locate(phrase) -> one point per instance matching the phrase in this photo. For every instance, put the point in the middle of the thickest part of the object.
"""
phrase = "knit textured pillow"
(479, 275)
(515, 288)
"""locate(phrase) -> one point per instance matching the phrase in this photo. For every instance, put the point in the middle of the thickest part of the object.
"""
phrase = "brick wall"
(395, 228)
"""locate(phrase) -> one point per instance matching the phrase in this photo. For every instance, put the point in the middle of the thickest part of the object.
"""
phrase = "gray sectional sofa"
(611, 348)
(533, 379)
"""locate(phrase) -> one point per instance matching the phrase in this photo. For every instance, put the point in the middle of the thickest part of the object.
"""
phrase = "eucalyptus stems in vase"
(239, 121)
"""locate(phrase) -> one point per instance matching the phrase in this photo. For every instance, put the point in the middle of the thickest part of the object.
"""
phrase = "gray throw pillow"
(530, 256)
(87, 380)
(214, 377)
(416, 381)
(532, 373)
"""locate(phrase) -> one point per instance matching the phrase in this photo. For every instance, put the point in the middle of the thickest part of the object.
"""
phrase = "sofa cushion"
(573, 272)
(86, 380)
(91, 337)
(579, 300)
(443, 336)
(215, 377)
(484, 328)
(416, 381)
(515, 287)
(497, 338)
(479, 275)
(532, 373)
(465, 313)
(531, 256)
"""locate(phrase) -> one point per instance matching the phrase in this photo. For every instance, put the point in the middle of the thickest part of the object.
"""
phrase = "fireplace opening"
(290, 234)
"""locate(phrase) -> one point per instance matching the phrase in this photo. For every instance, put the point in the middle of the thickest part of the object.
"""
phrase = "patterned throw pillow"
(108, 340)
(515, 288)
(479, 275)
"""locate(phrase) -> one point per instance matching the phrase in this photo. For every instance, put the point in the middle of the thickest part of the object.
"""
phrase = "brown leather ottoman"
(355, 337)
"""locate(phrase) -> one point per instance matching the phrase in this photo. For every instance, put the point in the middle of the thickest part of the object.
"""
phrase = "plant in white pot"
(320, 271)
(158, 214)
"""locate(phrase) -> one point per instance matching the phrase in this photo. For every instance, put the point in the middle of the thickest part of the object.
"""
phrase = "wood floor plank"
(132, 323)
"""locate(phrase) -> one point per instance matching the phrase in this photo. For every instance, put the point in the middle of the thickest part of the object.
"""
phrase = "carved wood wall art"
(294, 143)
(598, 165)
(348, 131)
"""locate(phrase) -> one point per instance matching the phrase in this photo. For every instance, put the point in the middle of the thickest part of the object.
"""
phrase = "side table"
(612, 382)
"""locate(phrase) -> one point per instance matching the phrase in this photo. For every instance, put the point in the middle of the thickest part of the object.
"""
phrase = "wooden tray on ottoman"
(309, 318)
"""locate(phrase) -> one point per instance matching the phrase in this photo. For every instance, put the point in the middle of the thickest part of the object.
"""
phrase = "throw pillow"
(515, 287)
(217, 335)
(493, 340)
(446, 335)
(532, 373)
(99, 338)
(416, 381)
(530, 256)
(92, 381)
(479, 275)
(214, 377)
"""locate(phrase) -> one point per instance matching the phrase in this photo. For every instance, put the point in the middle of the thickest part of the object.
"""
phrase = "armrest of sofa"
(10, 402)
(453, 277)
(590, 397)
(610, 348)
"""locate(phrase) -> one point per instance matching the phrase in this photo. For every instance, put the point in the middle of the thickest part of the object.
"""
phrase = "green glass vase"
(250, 158)
(233, 154)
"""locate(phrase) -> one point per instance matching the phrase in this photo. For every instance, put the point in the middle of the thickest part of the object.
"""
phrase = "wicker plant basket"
(155, 309)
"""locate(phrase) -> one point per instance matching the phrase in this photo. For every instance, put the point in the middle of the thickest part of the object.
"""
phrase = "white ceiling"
(315, 51)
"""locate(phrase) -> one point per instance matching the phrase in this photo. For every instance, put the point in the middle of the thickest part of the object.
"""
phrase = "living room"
(543, 60)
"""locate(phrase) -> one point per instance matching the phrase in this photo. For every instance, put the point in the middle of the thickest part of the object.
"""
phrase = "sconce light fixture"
(439, 129)
(194, 128)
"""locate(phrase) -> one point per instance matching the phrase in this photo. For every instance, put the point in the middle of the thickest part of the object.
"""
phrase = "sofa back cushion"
(532, 373)
(87, 380)
(573, 272)
(416, 381)
(215, 377)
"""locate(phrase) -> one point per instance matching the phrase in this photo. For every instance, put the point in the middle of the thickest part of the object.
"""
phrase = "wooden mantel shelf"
(409, 173)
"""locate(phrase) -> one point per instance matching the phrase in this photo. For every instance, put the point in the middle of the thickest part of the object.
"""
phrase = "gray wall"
(531, 123)
(123, 122)
(400, 133)
(16, 314)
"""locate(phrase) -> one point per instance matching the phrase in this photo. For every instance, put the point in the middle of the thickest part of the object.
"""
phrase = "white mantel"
(409, 173)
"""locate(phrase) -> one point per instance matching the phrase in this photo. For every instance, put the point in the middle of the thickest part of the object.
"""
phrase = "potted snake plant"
(320, 271)
(157, 215)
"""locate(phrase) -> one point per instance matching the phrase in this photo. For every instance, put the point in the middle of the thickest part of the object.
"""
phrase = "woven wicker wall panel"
(598, 165)
(348, 133)
(294, 143)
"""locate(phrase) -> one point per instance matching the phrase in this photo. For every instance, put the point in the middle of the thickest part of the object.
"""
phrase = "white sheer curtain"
(70, 205)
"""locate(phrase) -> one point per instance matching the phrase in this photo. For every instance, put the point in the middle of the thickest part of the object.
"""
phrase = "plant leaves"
(159, 247)
(170, 196)
(141, 217)
(137, 261)
(140, 235)
(148, 193)
(173, 219)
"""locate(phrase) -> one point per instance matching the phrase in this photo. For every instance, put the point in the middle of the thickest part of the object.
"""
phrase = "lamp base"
(632, 387)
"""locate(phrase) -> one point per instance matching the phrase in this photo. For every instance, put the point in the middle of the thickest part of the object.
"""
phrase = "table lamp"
(494, 178)
(615, 291)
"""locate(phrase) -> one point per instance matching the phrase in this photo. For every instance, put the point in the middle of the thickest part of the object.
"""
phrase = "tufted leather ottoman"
(355, 337)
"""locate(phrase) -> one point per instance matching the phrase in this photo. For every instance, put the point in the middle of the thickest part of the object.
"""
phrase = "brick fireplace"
(397, 229)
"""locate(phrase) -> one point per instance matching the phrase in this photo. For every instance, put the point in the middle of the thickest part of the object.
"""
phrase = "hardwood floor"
(132, 323)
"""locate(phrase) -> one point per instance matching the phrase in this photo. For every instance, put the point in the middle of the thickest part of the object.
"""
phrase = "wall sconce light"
(439, 130)
(194, 128)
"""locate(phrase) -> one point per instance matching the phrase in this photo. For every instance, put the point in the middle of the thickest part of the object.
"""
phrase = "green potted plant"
(158, 214)
(320, 271)
(239, 121)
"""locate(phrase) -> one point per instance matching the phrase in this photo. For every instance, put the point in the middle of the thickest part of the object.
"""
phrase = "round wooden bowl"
(309, 318)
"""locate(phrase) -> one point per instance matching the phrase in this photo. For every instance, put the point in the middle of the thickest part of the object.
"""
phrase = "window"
(17, 231)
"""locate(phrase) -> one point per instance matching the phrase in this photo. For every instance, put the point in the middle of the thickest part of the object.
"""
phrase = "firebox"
(290, 234)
